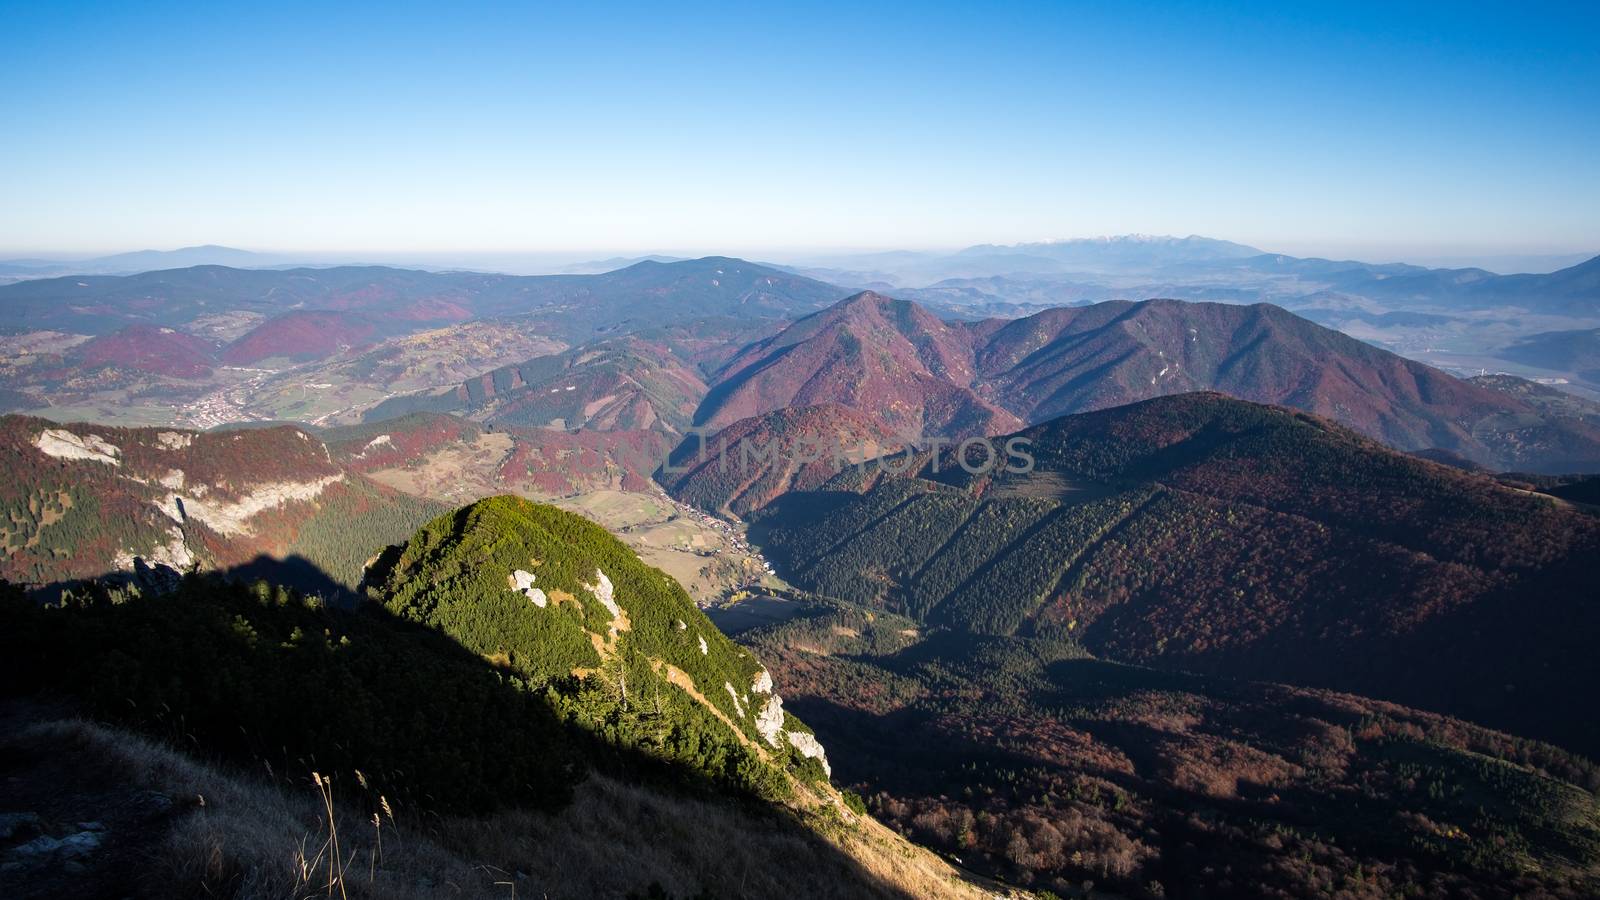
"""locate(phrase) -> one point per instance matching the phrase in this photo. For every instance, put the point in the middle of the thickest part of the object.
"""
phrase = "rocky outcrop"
(810, 748)
(63, 444)
(174, 554)
(605, 593)
(174, 440)
(770, 721)
(522, 583)
(232, 517)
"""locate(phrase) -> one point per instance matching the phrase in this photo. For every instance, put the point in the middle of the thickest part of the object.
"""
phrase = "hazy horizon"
(533, 261)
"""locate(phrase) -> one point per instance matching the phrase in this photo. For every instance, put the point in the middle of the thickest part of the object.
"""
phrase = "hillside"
(627, 383)
(1029, 760)
(301, 336)
(153, 842)
(895, 361)
(1208, 534)
(147, 348)
(552, 595)
(470, 697)
(569, 306)
(1078, 359)
(888, 358)
(1577, 352)
(1550, 401)
(753, 461)
(87, 501)
(456, 459)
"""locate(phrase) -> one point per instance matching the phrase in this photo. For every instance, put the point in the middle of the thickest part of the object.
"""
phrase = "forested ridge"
(1210, 534)
(448, 687)
(456, 575)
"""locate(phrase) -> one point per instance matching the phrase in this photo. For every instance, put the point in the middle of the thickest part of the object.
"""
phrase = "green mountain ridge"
(551, 595)
(503, 655)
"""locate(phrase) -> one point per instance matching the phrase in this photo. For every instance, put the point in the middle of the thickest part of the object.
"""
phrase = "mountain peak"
(890, 358)
(867, 300)
(556, 596)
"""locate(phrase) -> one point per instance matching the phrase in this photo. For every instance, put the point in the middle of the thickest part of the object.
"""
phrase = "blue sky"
(1374, 130)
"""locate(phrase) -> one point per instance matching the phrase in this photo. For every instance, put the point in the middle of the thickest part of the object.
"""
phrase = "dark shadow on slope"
(297, 572)
(1229, 783)
(793, 512)
(259, 679)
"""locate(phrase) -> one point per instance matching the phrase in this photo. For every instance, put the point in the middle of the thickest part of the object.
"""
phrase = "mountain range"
(1120, 663)
(897, 363)
(646, 294)
(137, 261)
(224, 321)
(907, 372)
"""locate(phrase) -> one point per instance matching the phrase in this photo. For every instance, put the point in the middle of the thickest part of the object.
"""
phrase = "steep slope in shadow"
(466, 745)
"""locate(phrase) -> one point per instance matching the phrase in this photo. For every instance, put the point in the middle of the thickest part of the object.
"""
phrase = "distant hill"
(183, 257)
(1549, 401)
(1574, 290)
(753, 461)
(1069, 360)
(1203, 533)
(1115, 253)
(625, 383)
(889, 358)
(148, 348)
(1576, 351)
(1022, 278)
(643, 295)
(141, 261)
(301, 336)
(1119, 255)
(898, 363)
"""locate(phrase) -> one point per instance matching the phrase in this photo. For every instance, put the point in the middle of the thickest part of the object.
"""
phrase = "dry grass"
(246, 838)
